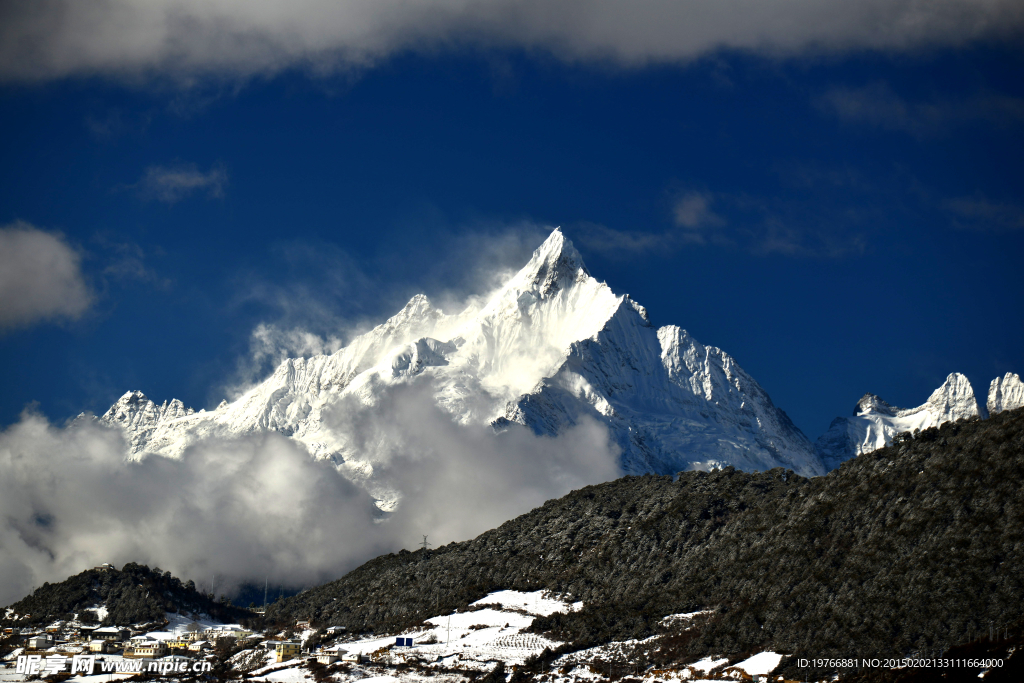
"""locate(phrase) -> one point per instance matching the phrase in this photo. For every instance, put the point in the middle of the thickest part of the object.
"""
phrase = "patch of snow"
(177, 623)
(103, 678)
(541, 603)
(760, 664)
(686, 616)
(708, 663)
(288, 675)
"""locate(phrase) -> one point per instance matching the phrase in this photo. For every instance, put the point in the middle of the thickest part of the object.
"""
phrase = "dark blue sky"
(838, 223)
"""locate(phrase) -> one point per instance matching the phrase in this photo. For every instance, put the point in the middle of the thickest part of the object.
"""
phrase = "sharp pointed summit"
(555, 263)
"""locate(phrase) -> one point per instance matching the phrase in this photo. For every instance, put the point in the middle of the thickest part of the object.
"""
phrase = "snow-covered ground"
(540, 603)
(475, 639)
(448, 648)
(496, 632)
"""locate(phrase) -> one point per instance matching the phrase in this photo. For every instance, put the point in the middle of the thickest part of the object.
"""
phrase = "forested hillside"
(133, 594)
(910, 549)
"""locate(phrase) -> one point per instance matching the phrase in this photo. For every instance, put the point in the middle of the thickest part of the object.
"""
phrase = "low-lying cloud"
(185, 40)
(40, 277)
(259, 507)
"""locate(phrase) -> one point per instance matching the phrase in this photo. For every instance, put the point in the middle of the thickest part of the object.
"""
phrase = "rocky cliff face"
(1005, 393)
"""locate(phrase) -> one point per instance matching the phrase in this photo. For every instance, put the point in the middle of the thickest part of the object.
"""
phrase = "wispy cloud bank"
(173, 183)
(185, 40)
(878, 105)
(979, 213)
(757, 225)
(40, 277)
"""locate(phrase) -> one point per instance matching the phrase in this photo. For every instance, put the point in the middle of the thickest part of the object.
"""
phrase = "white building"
(41, 642)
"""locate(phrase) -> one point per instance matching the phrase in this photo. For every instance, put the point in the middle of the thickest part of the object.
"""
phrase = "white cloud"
(459, 480)
(257, 507)
(183, 39)
(260, 505)
(173, 183)
(40, 277)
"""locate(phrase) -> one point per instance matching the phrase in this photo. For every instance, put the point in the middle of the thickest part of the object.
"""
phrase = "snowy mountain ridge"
(874, 422)
(550, 347)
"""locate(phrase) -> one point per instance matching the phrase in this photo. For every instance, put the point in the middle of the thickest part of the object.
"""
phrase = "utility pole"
(424, 543)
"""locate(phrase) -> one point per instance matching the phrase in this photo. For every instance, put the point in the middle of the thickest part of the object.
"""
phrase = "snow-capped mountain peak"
(550, 347)
(555, 264)
(954, 400)
(1005, 393)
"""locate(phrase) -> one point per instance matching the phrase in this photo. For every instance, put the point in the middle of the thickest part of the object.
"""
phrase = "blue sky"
(837, 206)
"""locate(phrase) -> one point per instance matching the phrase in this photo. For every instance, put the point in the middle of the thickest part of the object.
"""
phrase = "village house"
(85, 633)
(327, 658)
(354, 657)
(43, 641)
(112, 633)
(148, 649)
(229, 631)
(287, 649)
(100, 646)
(199, 646)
